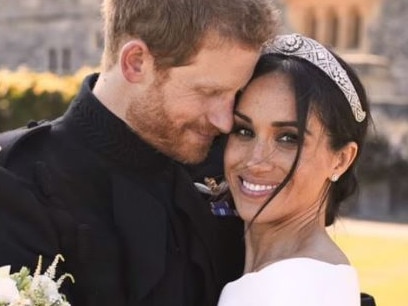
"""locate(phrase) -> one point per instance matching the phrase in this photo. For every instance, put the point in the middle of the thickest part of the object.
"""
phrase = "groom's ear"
(136, 61)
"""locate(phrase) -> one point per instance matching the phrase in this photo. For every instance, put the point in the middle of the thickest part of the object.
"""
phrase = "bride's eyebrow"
(284, 124)
(288, 124)
(274, 124)
(242, 116)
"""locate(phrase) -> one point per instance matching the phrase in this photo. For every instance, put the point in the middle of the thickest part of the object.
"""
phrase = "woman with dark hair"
(290, 161)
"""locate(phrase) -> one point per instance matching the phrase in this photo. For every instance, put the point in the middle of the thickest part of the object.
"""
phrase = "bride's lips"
(256, 189)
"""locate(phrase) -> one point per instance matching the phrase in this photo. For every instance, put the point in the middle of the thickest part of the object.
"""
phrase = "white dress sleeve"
(295, 282)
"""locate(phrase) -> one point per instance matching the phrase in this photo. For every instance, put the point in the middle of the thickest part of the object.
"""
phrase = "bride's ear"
(344, 158)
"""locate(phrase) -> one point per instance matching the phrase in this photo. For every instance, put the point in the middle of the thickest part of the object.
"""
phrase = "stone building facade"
(357, 30)
(62, 36)
(50, 35)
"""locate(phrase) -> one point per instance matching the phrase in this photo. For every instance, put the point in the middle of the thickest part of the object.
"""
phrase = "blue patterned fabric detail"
(222, 209)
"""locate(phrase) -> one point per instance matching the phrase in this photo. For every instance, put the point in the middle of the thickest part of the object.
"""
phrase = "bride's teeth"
(257, 187)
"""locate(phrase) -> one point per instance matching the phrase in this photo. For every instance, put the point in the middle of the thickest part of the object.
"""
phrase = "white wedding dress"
(295, 282)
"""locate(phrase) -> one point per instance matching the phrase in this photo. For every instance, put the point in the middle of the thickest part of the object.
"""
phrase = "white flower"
(44, 287)
(8, 291)
(22, 289)
(8, 288)
(5, 272)
(22, 302)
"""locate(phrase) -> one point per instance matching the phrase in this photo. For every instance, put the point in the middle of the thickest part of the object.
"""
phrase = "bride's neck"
(266, 243)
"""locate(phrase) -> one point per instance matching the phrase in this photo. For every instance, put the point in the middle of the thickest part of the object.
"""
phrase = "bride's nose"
(260, 157)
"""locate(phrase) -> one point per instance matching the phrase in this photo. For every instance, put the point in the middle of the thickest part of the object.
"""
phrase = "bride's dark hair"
(315, 92)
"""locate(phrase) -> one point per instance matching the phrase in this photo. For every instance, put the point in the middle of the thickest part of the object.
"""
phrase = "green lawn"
(380, 254)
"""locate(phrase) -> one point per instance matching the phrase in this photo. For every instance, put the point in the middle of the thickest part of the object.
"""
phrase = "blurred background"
(48, 46)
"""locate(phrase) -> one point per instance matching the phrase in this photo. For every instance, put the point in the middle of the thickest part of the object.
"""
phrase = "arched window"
(310, 23)
(332, 28)
(354, 35)
(66, 60)
(52, 60)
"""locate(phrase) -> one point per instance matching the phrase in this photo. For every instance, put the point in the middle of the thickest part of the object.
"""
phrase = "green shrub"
(25, 96)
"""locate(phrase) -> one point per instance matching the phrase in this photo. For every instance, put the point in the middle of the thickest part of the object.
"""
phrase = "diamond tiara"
(310, 50)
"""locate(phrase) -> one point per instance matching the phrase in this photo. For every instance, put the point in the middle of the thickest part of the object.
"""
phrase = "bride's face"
(262, 147)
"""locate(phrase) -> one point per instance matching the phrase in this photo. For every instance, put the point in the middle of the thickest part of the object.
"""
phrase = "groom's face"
(181, 113)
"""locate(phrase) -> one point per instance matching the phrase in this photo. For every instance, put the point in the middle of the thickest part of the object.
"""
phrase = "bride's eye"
(241, 131)
(289, 138)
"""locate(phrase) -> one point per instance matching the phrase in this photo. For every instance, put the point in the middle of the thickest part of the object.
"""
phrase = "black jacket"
(128, 220)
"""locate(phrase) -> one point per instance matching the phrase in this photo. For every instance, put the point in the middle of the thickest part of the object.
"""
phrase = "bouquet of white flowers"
(23, 289)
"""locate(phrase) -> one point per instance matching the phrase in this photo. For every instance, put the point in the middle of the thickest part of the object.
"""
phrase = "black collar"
(108, 135)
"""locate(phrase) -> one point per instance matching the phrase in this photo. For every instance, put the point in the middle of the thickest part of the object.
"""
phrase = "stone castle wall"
(50, 35)
(389, 37)
(32, 29)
